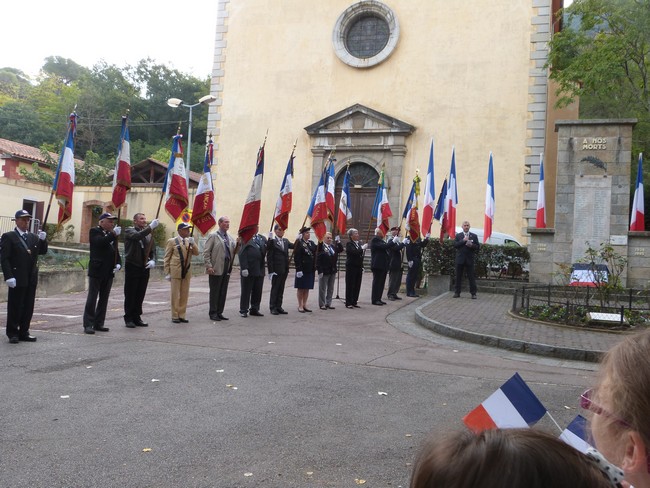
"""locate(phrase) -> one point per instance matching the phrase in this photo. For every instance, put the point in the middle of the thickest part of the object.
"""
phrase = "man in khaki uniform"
(218, 253)
(178, 258)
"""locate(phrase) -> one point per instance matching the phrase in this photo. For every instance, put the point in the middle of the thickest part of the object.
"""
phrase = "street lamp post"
(176, 102)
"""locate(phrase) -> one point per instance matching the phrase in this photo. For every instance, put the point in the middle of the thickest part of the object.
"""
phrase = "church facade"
(376, 82)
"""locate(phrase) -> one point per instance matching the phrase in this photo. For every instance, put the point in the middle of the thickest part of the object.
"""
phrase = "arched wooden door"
(363, 188)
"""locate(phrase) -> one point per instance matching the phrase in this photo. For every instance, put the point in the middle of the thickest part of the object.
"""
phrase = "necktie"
(227, 241)
(24, 236)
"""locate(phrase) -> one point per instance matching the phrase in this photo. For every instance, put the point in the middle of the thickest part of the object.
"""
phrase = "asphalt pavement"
(335, 398)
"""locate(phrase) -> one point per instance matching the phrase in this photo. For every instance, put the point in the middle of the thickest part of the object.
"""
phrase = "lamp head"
(174, 102)
(207, 99)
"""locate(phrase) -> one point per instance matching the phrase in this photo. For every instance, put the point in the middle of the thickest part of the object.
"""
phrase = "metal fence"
(572, 305)
(7, 224)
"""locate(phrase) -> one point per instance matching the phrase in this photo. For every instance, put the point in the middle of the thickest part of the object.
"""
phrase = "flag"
(540, 220)
(489, 203)
(512, 405)
(318, 209)
(411, 211)
(63, 185)
(451, 199)
(439, 214)
(329, 191)
(250, 218)
(637, 221)
(381, 208)
(203, 214)
(429, 197)
(175, 185)
(576, 434)
(283, 204)
(345, 212)
(122, 172)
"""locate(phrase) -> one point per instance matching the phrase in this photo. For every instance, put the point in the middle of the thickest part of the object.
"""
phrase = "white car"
(497, 238)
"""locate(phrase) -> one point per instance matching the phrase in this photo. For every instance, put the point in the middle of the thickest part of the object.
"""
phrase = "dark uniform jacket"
(465, 254)
(277, 255)
(304, 256)
(136, 242)
(20, 258)
(251, 256)
(396, 256)
(103, 253)
(380, 256)
(414, 249)
(353, 254)
(326, 262)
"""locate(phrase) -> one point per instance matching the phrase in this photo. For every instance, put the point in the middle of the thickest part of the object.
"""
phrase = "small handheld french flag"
(513, 405)
(576, 434)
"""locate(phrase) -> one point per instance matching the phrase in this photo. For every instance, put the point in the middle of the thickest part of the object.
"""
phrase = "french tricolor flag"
(381, 208)
(637, 220)
(318, 212)
(451, 199)
(250, 218)
(429, 202)
(540, 220)
(63, 185)
(513, 405)
(285, 199)
(576, 434)
(345, 212)
(175, 185)
(489, 203)
(329, 195)
(203, 214)
(122, 173)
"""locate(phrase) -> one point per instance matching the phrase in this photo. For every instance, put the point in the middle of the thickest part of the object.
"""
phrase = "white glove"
(11, 282)
(271, 275)
(396, 240)
(190, 241)
(244, 273)
(117, 268)
(299, 236)
(365, 246)
(154, 223)
(42, 235)
(407, 240)
(428, 235)
(117, 230)
(168, 277)
(299, 274)
(410, 264)
(270, 235)
(337, 239)
(150, 264)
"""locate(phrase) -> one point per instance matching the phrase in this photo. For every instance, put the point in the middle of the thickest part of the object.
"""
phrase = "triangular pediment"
(359, 119)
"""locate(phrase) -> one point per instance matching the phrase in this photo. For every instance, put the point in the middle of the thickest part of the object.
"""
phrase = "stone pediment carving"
(359, 119)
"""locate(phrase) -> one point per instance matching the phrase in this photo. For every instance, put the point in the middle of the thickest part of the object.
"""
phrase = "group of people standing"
(258, 255)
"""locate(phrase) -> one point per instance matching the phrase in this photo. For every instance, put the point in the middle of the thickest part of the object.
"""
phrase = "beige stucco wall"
(460, 74)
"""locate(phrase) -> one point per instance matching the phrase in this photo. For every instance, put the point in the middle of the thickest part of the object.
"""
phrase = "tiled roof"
(23, 151)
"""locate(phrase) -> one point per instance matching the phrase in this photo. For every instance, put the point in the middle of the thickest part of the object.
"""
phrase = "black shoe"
(222, 317)
(282, 311)
(382, 302)
(102, 329)
(275, 312)
(130, 324)
(413, 295)
(323, 308)
(89, 330)
(216, 318)
(330, 307)
(176, 321)
(456, 295)
(377, 303)
(474, 296)
(256, 313)
(243, 314)
(307, 310)
(395, 297)
(391, 297)
(349, 306)
(184, 321)
(140, 323)
(27, 338)
(14, 340)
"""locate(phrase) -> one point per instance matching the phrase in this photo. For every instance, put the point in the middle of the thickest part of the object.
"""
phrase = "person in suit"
(218, 255)
(466, 244)
(395, 265)
(139, 258)
(327, 255)
(414, 261)
(304, 257)
(354, 251)
(19, 251)
(251, 264)
(277, 262)
(105, 261)
(177, 262)
(379, 261)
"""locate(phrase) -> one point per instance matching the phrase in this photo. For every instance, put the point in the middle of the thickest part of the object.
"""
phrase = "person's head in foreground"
(498, 458)
(620, 408)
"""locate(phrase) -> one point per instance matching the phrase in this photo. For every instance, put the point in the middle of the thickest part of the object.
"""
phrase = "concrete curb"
(504, 343)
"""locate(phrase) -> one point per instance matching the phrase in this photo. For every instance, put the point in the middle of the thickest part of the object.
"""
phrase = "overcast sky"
(179, 34)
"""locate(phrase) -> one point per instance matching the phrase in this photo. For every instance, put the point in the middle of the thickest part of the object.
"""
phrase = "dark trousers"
(136, 279)
(277, 291)
(394, 281)
(251, 293)
(218, 293)
(95, 310)
(469, 268)
(412, 277)
(378, 284)
(20, 308)
(353, 278)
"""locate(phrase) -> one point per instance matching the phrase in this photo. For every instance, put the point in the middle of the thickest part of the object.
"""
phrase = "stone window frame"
(348, 18)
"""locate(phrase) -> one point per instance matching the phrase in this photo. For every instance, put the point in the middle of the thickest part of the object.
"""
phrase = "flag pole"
(58, 170)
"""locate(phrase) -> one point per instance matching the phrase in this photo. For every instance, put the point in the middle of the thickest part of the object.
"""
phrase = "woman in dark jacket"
(304, 256)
